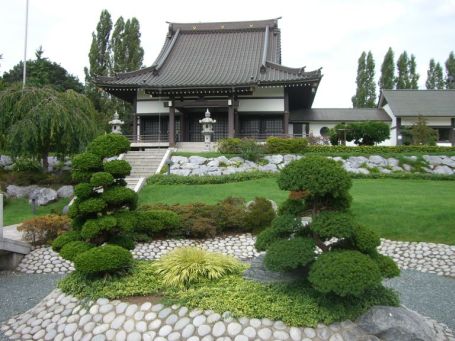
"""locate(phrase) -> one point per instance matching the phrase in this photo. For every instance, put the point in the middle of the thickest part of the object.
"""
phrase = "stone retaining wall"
(428, 164)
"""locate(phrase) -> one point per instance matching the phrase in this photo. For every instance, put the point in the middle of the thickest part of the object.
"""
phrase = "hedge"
(371, 150)
(161, 179)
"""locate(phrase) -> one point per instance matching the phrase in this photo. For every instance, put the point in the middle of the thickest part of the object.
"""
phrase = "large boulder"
(179, 159)
(274, 159)
(396, 324)
(42, 196)
(197, 160)
(378, 160)
(182, 172)
(433, 160)
(20, 191)
(5, 160)
(268, 168)
(448, 162)
(65, 192)
(443, 170)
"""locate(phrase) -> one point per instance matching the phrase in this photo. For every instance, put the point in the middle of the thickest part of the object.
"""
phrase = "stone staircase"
(144, 164)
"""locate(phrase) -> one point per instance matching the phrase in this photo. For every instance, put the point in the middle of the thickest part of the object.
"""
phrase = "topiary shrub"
(280, 145)
(65, 238)
(344, 273)
(155, 221)
(347, 263)
(101, 179)
(292, 207)
(188, 265)
(118, 168)
(105, 259)
(103, 211)
(331, 224)
(259, 214)
(287, 255)
(70, 250)
(109, 145)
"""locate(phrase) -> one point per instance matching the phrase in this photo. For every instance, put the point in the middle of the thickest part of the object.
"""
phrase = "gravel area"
(428, 294)
(20, 292)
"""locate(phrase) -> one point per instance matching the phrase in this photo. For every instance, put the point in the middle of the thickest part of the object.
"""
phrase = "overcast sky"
(329, 34)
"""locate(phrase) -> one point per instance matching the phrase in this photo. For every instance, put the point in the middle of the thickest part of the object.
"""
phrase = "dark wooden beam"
(171, 136)
(286, 112)
(398, 128)
(202, 103)
(231, 119)
(452, 131)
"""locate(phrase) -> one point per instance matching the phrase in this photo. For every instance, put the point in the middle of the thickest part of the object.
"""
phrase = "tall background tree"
(387, 79)
(114, 49)
(41, 72)
(402, 80)
(450, 71)
(365, 96)
(413, 75)
(37, 121)
(435, 78)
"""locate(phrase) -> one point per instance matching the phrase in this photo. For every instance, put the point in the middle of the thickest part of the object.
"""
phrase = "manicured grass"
(18, 210)
(296, 304)
(412, 210)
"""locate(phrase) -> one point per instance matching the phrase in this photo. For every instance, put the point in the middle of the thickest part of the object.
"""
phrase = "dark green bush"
(266, 238)
(365, 239)
(386, 265)
(118, 168)
(287, 224)
(247, 148)
(81, 176)
(172, 179)
(229, 146)
(127, 221)
(292, 207)
(101, 179)
(124, 241)
(229, 214)
(280, 145)
(94, 227)
(154, 221)
(70, 250)
(333, 224)
(73, 210)
(83, 191)
(103, 260)
(320, 178)
(259, 214)
(86, 162)
(27, 165)
(120, 196)
(65, 238)
(287, 255)
(344, 273)
(109, 145)
(92, 205)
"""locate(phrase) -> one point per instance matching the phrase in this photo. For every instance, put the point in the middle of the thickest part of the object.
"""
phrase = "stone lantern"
(207, 129)
(116, 124)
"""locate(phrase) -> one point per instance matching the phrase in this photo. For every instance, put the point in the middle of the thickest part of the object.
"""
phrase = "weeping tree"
(37, 121)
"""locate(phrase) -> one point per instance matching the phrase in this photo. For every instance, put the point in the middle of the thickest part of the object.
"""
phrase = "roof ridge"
(224, 25)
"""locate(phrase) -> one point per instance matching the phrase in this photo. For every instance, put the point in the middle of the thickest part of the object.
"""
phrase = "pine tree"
(359, 99)
(450, 71)
(438, 77)
(402, 80)
(370, 84)
(413, 75)
(387, 78)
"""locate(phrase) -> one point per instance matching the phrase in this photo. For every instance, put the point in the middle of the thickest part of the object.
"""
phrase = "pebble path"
(424, 257)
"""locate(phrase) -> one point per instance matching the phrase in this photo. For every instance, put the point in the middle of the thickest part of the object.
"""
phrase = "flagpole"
(24, 76)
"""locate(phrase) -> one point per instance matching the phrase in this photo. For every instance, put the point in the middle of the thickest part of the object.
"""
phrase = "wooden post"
(134, 127)
(236, 122)
(1, 216)
(452, 131)
(286, 123)
(171, 136)
(231, 129)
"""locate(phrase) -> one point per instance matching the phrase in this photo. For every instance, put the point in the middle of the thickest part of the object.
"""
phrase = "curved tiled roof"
(216, 55)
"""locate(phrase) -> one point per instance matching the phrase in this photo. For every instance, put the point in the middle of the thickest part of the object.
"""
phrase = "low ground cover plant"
(161, 179)
(347, 267)
(247, 148)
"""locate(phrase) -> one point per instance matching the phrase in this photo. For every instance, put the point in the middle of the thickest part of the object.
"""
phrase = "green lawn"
(18, 210)
(413, 210)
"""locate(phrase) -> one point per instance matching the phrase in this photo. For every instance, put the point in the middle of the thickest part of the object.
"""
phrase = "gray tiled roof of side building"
(436, 103)
(208, 55)
(339, 115)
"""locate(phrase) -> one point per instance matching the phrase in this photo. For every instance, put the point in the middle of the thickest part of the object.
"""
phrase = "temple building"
(234, 70)
(231, 68)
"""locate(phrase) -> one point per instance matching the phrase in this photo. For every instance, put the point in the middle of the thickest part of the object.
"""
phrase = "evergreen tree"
(386, 81)
(413, 75)
(402, 80)
(370, 84)
(42, 72)
(134, 51)
(435, 78)
(359, 99)
(450, 71)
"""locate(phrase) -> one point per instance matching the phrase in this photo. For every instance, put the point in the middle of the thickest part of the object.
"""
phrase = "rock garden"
(305, 269)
